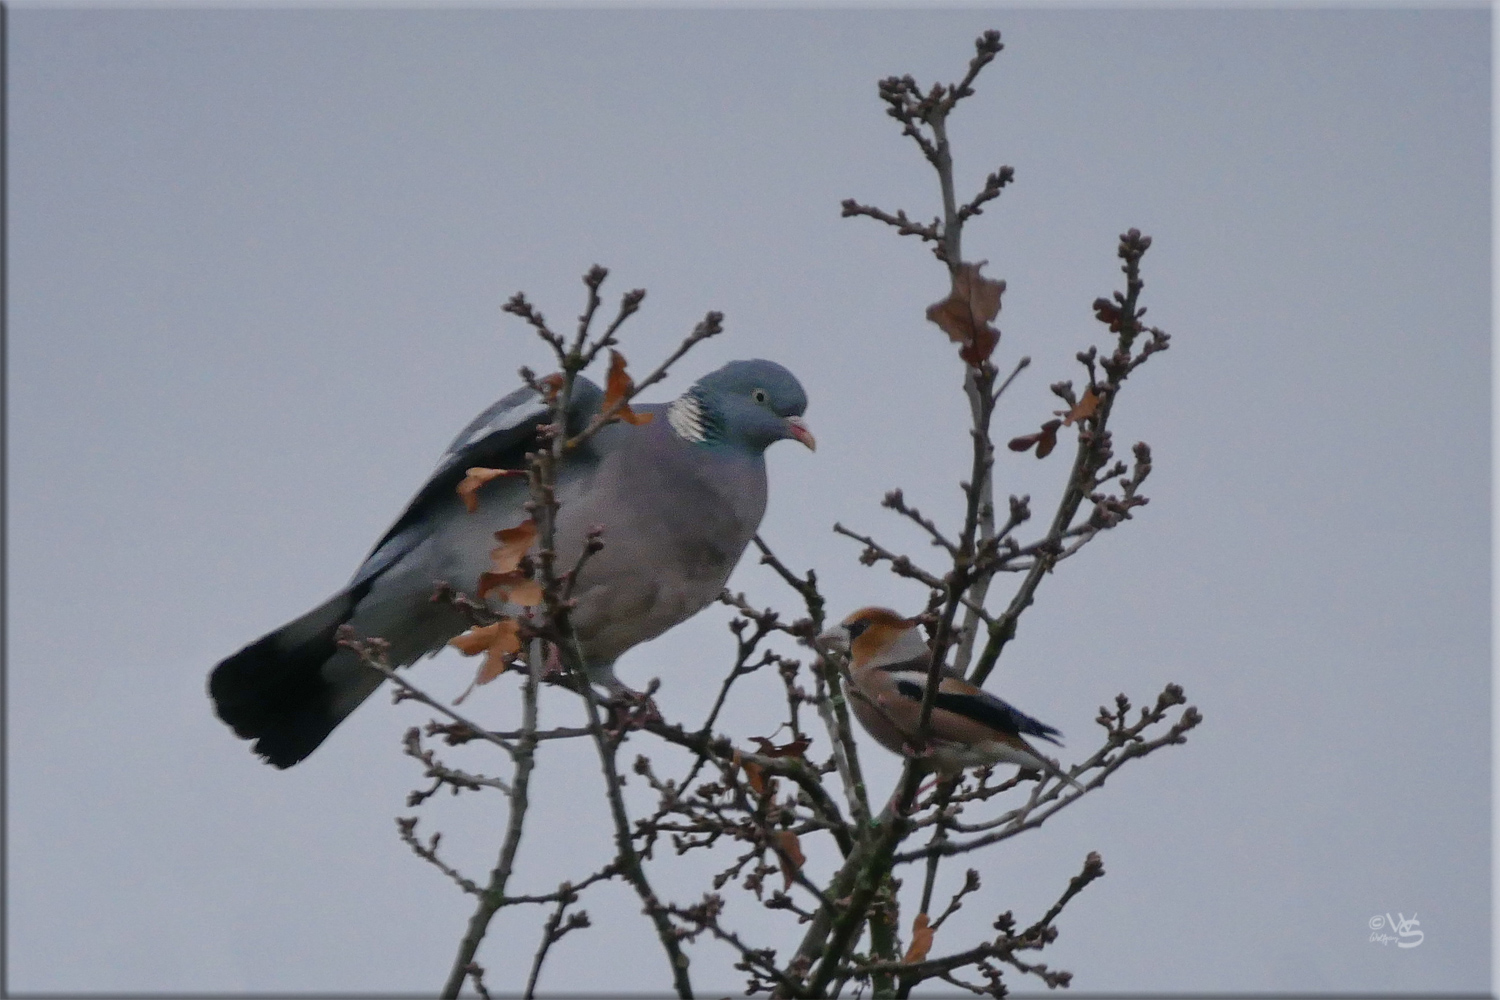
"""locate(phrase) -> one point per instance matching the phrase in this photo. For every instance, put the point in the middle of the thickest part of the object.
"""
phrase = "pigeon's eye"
(759, 395)
(856, 629)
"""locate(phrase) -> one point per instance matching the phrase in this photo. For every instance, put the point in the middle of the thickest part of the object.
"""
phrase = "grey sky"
(256, 259)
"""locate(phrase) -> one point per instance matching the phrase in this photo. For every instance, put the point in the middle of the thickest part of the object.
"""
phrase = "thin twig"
(628, 860)
(710, 326)
(372, 654)
(406, 828)
(493, 896)
(553, 931)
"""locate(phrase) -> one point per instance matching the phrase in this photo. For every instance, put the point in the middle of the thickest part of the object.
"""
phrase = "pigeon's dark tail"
(275, 691)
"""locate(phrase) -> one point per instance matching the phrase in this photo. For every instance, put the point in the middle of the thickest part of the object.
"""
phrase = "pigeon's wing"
(498, 438)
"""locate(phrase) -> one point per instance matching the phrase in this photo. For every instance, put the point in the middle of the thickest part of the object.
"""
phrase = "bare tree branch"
(765, 807)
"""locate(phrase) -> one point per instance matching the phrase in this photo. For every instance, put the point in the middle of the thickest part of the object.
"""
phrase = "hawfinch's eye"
(856, 629)
(759, 395)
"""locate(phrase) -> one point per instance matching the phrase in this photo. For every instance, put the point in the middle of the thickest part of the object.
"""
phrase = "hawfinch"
(969, 727)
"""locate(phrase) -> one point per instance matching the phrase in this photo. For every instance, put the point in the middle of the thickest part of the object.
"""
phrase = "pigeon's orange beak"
(800, 432)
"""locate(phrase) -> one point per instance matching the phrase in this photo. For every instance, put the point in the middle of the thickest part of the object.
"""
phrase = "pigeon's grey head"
(747, 404)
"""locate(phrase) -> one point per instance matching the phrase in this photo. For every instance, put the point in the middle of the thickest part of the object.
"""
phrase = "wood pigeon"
(969, 727)
(678, 498)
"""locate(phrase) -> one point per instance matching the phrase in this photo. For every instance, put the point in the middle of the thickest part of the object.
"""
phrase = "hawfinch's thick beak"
(835, 640)
(800, 432)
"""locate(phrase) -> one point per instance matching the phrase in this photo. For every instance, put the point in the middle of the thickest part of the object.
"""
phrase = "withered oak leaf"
(789, 851)
(505, 574)
(1043, 440)
(499, 642)
(966, 314)
(514, 542)
(514, 587)
(477, 477)
(619, 386)
(1083, 410)
(921, 940)
(753, 774)
(796, 748)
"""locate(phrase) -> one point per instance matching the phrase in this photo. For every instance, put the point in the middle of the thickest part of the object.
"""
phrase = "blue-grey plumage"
(678, 498)
(969, 727)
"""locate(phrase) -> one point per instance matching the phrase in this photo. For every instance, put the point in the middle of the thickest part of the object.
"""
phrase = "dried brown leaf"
(490, 582)
(796, 748)
(789, 851)
(755, 776)
(477, 477)
(921, 940)
(477, 639)
(1024, 443)
(1083, 410)
(1043, 440)
(1049, 438)
(505, 574)
(506, 557)
(514, 587)
(966, 313)
(499, 642)
(618, 386)
(526, 593)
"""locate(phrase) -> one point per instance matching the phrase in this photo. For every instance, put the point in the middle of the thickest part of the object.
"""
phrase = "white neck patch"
(685, 414)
